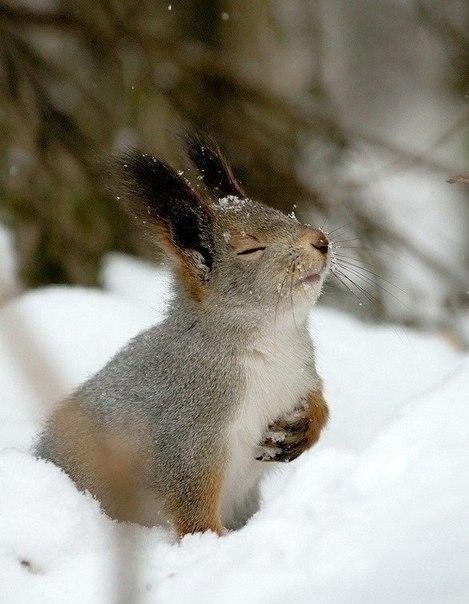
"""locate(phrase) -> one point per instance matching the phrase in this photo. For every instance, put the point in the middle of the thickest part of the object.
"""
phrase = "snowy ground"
(377, 512)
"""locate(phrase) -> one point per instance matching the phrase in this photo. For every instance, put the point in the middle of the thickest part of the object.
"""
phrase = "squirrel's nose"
(319, 241)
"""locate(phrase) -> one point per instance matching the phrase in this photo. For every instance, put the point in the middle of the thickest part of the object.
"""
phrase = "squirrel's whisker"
(347, 261)
(339, 228)
(336, 275)
(368, 295)
(282, 286)
(375, 284)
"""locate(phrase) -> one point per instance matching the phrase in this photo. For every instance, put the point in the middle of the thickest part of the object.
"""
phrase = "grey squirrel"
(180, 426)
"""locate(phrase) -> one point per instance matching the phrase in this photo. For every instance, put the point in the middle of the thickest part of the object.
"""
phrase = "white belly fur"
(277, 378)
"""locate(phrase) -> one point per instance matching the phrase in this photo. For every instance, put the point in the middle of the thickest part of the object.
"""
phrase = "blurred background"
(354, 114)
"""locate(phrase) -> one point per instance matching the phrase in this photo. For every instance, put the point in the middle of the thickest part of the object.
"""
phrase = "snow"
(376, 512)
(231, 203)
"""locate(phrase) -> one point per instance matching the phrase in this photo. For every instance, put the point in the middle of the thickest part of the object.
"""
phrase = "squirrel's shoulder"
(164, 361)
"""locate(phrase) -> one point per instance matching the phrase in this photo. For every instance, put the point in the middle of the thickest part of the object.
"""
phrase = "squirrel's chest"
(276, 377)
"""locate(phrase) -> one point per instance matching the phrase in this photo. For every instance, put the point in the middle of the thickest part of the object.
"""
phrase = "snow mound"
(376, 512)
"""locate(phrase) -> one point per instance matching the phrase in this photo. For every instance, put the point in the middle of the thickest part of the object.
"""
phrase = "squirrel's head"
(227, 250)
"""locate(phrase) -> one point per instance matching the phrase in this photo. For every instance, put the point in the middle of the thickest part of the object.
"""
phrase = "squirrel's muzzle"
(315, 238)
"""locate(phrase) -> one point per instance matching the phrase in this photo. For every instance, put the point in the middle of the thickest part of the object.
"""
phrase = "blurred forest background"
(353, 112)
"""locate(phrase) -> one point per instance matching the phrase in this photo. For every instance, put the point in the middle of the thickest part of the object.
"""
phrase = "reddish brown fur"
(303, 431)
(199, 509)
(108, 463)
(184, 269)
(317, 413)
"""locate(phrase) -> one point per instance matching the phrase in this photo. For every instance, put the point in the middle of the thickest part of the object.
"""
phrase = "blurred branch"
(63, 22)
(432, 15)
(454, 39)
(406, 161)
(394, 237)
(460, 178)
(62, 211)
(203, 61)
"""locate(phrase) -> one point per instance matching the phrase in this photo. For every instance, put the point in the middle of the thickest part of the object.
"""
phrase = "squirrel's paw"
(285, 439)
(267, 452)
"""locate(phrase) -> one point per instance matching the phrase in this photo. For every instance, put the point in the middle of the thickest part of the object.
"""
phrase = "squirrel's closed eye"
(248, 246)
(251, 250)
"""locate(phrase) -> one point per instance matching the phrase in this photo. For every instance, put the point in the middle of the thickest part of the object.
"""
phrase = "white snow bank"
(376, 512)
(137, 280)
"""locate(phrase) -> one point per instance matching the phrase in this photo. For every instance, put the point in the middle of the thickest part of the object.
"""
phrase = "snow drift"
(376, 512)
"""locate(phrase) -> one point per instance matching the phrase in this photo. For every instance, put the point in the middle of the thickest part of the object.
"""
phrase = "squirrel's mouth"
(311, 277)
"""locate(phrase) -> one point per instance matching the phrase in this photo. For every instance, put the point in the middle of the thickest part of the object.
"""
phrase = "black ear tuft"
(214, 168)
(161, 195)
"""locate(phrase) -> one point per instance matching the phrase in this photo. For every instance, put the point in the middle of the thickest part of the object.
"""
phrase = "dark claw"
(288, 452)
(298, 427)
(288, 455)
(294, 442)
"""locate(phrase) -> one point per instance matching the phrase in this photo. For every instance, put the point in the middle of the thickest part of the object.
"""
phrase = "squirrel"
(181, 424)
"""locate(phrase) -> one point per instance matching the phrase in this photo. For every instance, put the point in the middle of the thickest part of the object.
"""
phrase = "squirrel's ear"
(160, 196)
(212, 165)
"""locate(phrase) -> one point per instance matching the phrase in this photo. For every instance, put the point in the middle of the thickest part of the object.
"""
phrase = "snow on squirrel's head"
(227, 250)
